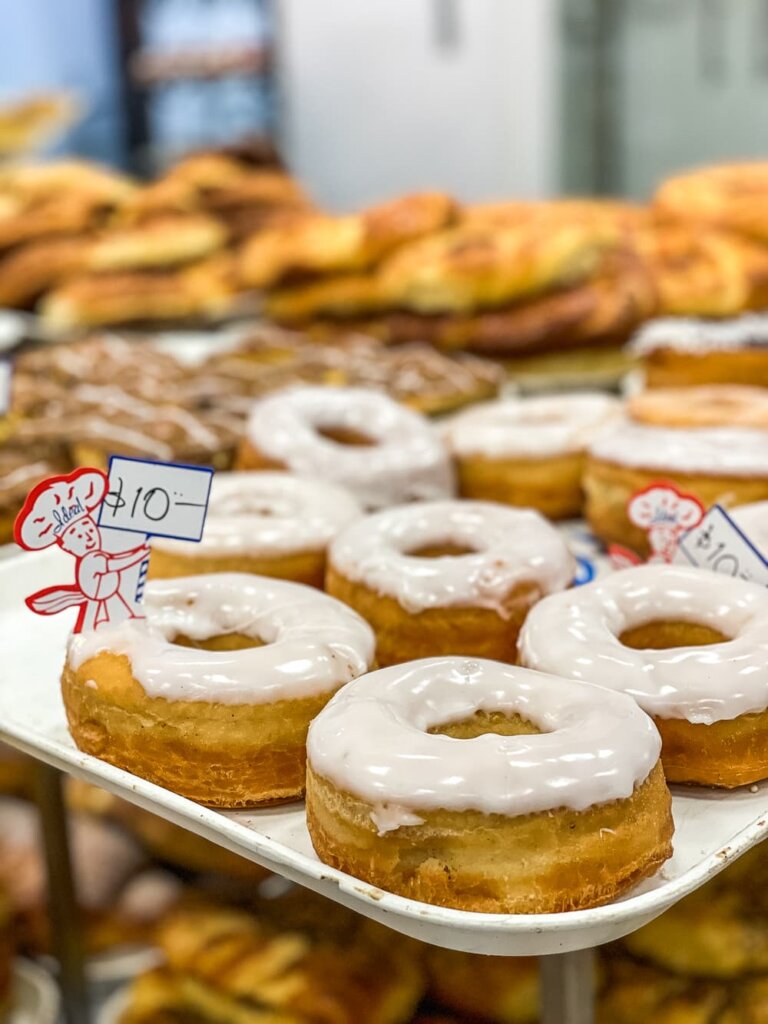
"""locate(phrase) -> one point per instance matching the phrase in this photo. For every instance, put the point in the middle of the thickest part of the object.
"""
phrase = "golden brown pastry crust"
(669, 368)
(732, 196)
(552, 486)
(703, 273)
(471, 861)
(609, 486)
(201, 290)
(221, 755)
(321, 244)
(406, 636)
(29, 270)
(165, 241)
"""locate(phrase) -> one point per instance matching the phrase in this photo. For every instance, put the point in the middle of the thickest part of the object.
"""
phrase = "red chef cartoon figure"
(60, 510)
(666, 515)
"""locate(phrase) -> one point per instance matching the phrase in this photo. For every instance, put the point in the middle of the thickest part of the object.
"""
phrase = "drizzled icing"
(690, 335)
(268, 514)
(753, 520)
(406, 462)
(372, 740)
(531, 427)
(313, 643)
(576, 634)
(508, 546)
(720, 451)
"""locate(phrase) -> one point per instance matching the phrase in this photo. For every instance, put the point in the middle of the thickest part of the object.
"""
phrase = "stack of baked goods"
(711, 442)
(49, 215)
(507, 280)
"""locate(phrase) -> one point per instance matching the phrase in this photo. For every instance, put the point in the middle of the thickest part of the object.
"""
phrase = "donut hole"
(440, 550)
(346, 436)
(663, 634)
(221, 642)
(484, 722)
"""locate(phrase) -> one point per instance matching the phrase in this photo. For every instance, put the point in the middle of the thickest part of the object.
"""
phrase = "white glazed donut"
(708, 695)
(404, 461)
(381, 779)
(271, 524)
(753, 520)
(687, 334)
(536, 427)
(224, 723)
(529, 451)
(471, 602)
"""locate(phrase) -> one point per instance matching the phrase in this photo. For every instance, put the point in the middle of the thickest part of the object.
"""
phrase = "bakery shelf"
(712, 828)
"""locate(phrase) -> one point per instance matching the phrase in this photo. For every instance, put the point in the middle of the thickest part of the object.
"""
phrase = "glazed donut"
(529, 451)
(211, 694)
(679, 352)
(690, 646)
(753, 520)
(487, 787)
(725, 465)
(447, 577)
(270, 524)
(380, 451)
(716, 405)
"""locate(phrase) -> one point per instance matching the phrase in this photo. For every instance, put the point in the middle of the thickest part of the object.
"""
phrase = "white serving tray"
(712, 828)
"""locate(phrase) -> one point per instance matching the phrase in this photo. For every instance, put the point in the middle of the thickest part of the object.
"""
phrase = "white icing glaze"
(313, 643)
(508, 546)
(576, 634)
(372, 740)
(718, 451)
(529, 428)
(268, 515)
(700, 336)
(753, 520)
(407, 462)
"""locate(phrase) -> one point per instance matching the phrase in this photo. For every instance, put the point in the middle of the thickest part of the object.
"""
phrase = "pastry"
(228, 966)
(638, 994)
(165, 241)
(321, 244)
(529, 451)
(493, 988)
(27, 271)
(703, 273)
(729, 196)
(684, 438)
(380, 451)
(211, 694)
(21, 467)
(31, 121)
(680, 352)
(202, 289)
(17, 775)
(470, 784)
(270, 524)
(447, 577)
(690, 646)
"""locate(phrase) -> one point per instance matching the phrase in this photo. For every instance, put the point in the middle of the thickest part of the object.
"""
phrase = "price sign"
(717, 543)
(162, 499)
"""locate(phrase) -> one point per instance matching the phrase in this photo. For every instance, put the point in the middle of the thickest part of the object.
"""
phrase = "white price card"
(718, 544)
(163, 499)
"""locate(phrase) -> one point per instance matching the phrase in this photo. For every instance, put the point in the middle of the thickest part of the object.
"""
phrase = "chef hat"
(660, 504)
(55, 504)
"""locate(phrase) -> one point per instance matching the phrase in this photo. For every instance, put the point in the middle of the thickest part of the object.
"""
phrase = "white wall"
(373, 103)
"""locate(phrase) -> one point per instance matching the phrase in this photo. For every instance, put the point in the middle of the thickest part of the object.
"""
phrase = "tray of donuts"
(485, 749)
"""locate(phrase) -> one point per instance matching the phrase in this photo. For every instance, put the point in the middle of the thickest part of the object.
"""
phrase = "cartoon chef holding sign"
(59, 511)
